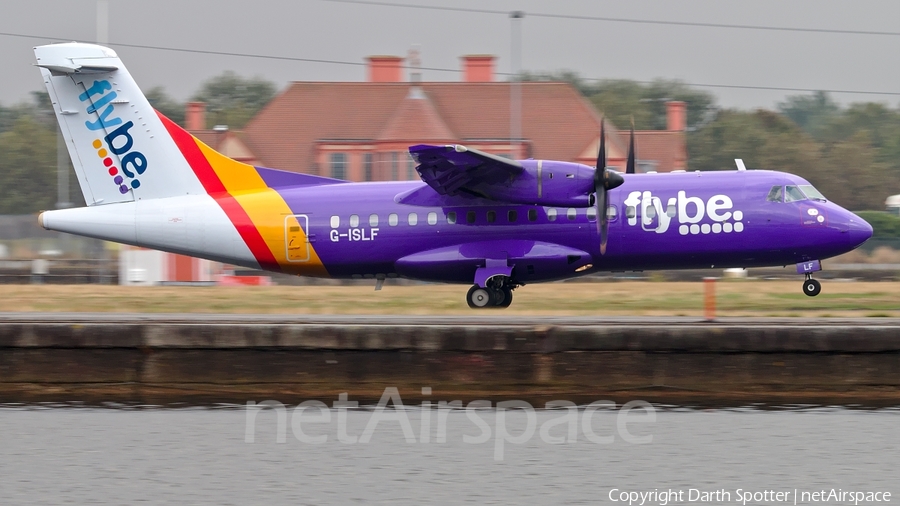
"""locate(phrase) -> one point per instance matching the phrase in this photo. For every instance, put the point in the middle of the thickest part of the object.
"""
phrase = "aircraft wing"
(456, 169)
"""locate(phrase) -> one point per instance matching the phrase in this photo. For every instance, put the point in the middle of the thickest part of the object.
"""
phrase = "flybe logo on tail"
(119, 142)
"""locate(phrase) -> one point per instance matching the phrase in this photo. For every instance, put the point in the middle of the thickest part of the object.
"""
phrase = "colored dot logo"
(715, 228)
(112, 169)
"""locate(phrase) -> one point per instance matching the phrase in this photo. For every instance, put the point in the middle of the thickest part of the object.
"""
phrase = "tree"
(27, 167)
(620, 99)
(232, 100)
(165, 104)
(812, 113)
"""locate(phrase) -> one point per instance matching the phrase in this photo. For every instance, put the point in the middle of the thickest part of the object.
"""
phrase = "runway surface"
(491, 319)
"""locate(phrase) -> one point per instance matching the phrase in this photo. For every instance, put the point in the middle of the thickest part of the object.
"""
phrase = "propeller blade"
(602, 220)
(629, 167)
(600, 173)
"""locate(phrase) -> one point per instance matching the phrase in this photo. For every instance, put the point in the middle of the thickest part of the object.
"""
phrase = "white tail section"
(120, 148)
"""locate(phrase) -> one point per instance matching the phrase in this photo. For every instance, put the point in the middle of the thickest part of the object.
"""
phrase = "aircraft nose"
(859, 230)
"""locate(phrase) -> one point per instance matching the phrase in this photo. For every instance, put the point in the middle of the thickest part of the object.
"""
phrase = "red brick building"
(361, 130)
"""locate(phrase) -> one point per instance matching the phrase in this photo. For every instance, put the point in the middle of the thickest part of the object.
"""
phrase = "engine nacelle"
(546, 183)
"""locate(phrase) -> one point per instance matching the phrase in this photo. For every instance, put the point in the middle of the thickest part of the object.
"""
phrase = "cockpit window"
(811, 192)
(775, 194)
(793, 194)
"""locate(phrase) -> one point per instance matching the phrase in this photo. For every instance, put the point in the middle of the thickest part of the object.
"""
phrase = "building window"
(570, 214)
(410, 168)
(354, 220)
(532, 215)
(512, 216)
(432, 218)
(395, 174)
(451, 217)
(335, 221)
(413, 219)
(491, 216)
(373, 220)
(339, 165)
(551, 214)
(367, 167)
(393, 220)
(470, 217)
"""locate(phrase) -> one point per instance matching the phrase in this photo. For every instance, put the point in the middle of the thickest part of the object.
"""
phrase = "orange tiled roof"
(559, 123)
(667, 148)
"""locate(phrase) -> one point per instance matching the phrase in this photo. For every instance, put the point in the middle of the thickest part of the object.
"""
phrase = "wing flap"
(454, 169)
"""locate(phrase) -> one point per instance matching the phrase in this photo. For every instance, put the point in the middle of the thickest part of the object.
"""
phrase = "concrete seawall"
(183, 358)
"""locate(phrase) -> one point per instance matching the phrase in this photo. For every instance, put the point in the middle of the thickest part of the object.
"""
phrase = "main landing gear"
(498, 293)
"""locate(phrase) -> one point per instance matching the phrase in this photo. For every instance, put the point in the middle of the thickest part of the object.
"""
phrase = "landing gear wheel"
(811, 287)
(504, 297)
(478, 297)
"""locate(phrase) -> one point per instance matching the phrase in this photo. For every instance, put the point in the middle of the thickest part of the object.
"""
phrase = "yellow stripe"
(235, 176)
(273, 218)
(267, 210)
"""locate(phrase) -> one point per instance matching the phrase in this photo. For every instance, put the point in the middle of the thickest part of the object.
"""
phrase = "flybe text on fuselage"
(693, 214)
(100, 99)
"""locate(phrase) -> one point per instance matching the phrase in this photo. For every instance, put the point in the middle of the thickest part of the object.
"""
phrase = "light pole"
(515, 95)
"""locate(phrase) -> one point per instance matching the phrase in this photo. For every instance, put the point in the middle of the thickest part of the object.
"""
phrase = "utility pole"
(515, 92)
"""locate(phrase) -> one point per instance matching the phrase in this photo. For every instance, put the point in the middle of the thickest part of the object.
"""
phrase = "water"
(199, 456)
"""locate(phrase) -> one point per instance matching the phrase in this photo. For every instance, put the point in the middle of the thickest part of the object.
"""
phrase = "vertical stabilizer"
(119, 146)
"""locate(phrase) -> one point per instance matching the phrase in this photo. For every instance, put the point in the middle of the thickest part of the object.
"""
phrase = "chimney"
(195, 116)
(478, 68)
(385, 69)
(676, 116)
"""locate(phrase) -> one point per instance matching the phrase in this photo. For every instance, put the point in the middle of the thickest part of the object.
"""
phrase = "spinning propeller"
(605, 180)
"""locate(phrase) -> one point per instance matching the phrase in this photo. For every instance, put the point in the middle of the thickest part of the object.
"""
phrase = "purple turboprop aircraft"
(478, 219)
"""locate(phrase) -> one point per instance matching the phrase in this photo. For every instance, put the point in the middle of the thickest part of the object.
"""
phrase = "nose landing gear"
(811, 287)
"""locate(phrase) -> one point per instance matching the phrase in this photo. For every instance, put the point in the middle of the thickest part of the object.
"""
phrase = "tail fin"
(122, 149)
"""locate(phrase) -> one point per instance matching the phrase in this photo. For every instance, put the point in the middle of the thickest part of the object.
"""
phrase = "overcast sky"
(347, 32)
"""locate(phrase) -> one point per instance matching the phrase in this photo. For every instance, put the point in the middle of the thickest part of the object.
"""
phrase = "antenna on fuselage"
(740, 164)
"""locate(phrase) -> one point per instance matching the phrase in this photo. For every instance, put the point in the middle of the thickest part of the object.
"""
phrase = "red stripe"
(195, 158)
(248, 231)
(213, 185)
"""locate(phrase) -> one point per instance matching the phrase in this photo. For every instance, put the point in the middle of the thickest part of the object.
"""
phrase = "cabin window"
(470, 217)
(775, 194)
(592, 214)
(432, 218)
(412, 219)
(650, 213)
(354, 220)
(373, 220)
(793, 194)
(512, 216)
(393, 219)
(630, 212)
(532, 215)
(671, 211)
(335, 221)
(551, 214)
(451, 217)
(367, 167)
(612, 212)
(339, 165)
(570, 214)
(491, 216)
